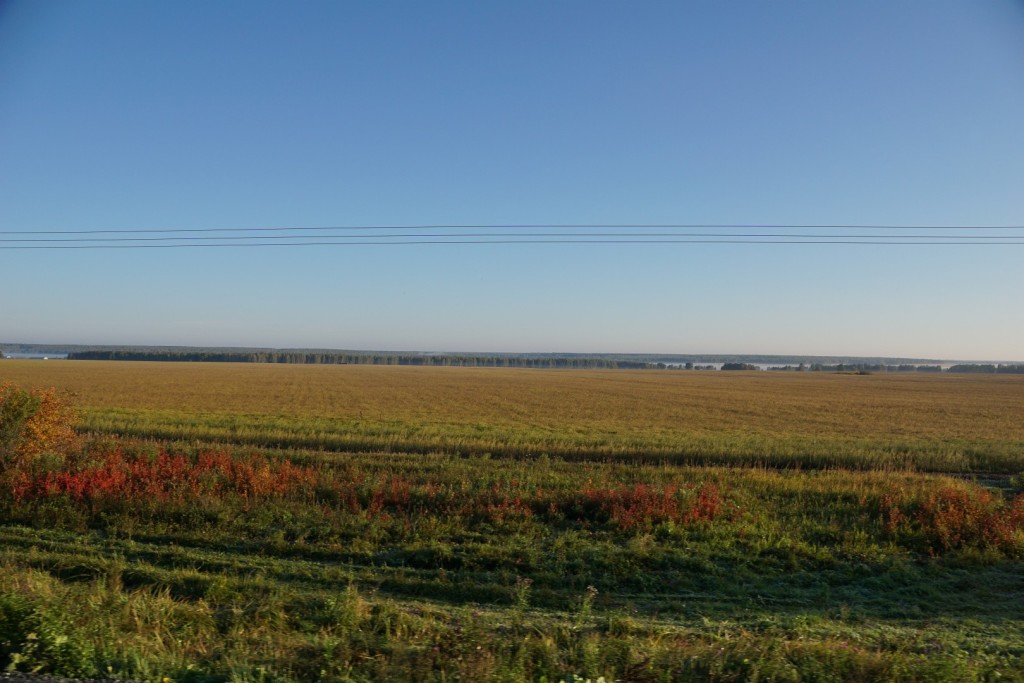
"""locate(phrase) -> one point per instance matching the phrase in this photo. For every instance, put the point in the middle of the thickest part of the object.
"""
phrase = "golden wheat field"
(924, 421)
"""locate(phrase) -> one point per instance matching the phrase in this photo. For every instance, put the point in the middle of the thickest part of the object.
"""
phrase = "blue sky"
(141, 115)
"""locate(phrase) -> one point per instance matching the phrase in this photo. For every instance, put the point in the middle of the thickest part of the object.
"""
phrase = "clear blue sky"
(194, 114)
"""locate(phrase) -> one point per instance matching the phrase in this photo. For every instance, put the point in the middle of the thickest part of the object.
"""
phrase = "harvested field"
(931, 423)
(267, 523)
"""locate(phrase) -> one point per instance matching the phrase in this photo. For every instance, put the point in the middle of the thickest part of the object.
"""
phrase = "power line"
(759, 236)
(531, 226)
(505, 242)
(517, 233)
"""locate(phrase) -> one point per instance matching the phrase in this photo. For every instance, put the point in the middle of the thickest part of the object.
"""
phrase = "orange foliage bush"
(34, 422)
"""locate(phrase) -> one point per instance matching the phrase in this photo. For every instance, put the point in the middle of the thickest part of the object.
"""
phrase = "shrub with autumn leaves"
(954, 516)
(35, 423)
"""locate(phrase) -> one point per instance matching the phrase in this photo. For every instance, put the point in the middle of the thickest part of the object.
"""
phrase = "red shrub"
(707, 506)
(166, 477)
(643, 505)
(954, 516)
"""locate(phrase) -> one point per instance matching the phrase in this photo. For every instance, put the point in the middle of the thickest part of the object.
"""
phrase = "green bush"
(36, 639)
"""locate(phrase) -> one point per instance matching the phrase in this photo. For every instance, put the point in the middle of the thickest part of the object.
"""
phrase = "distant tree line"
(904, 367)
(1000, 369)
(876, 367)
(303, 358)
(499, 361)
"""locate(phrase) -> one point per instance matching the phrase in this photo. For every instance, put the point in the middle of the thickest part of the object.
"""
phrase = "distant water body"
(767, 366)
(36, 356)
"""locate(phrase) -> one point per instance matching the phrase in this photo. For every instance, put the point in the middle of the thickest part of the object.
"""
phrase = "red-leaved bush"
(116, 475)
(643, 505)
(955, 516)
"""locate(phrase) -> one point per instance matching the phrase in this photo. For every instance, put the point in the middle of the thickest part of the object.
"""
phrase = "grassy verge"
(226, 565)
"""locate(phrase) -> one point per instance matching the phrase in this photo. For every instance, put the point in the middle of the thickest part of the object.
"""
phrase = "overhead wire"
(505, 242)
(521, 233)
(553, 226)
(759, 236)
